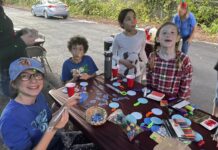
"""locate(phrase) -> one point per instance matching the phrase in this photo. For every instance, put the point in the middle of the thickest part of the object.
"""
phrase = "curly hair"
(78, 40)
(123, 14)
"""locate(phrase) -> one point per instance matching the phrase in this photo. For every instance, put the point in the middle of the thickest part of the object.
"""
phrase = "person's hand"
(73, 100)
(75, 74)
(84, 76)
(126, 63)
(63, 121)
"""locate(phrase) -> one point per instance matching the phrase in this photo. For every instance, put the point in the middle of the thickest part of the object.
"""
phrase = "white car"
(50, 8)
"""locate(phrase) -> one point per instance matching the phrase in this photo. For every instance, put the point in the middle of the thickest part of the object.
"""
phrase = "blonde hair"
(157, 45)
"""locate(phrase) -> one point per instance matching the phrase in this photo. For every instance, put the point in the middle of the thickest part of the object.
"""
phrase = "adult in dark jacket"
(11, 48)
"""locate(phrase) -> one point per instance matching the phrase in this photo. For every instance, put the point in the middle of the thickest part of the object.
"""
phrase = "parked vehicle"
(50, 8)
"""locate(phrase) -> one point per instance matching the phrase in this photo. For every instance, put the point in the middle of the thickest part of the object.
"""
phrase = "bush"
(158, 11)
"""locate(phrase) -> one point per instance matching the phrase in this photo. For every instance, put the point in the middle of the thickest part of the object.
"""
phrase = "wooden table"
(110, 136)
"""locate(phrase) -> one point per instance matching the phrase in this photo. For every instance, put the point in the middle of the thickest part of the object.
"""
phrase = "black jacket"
(11, 47)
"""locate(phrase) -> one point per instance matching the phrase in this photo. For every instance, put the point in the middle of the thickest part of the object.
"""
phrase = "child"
(186, 23)
(80, 65)
(129, 46)
(169, 71)
(24, 121)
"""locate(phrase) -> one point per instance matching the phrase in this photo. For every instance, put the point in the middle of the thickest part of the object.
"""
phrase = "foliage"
(148, 11)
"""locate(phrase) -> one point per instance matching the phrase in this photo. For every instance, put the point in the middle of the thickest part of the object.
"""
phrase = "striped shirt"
(169, 79)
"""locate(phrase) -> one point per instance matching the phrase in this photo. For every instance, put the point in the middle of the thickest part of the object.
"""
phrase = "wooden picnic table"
(110, 136)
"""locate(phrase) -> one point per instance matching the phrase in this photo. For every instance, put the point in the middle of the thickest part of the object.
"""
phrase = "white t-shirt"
(131, 48)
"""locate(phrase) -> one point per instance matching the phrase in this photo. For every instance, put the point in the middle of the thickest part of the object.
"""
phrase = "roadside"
(200, 35)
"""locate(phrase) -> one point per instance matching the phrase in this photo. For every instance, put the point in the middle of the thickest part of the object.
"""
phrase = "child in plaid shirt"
(168, 70)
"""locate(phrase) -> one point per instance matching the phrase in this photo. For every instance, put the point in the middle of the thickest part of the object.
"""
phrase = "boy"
(79, 65)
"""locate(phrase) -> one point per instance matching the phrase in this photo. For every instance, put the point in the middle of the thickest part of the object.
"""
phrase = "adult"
(186, 22)
(11, 48)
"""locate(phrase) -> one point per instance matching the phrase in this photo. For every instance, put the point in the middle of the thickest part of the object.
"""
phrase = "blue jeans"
(185, 46)
(4, 82)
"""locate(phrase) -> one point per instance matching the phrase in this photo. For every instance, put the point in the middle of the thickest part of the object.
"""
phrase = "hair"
(13, 89)
(183, 6)
(1, 2)
(78, 40)
(157, 45)
(123, 14)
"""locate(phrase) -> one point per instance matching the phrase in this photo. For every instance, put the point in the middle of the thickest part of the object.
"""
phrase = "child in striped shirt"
(169, 70)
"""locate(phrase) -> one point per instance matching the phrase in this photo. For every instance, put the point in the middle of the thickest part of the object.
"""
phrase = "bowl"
(96, 116)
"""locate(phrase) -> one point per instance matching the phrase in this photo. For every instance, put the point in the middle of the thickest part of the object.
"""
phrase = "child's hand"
(75, 74)
(84, 76)
(63, 121)
(73, 100)
(126, 63)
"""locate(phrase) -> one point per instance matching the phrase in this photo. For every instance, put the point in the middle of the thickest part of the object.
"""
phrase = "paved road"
(58, 32)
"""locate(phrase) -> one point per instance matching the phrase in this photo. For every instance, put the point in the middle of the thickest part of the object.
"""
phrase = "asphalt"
(58, 31)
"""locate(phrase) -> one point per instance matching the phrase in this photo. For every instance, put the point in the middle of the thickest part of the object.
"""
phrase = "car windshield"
(53, 1)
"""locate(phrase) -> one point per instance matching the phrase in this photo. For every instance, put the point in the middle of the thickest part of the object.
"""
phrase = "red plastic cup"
(70, 88)
(130, 81)
(114, 71)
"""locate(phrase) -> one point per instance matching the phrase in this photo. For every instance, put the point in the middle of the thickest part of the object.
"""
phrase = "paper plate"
(131, 118)
(156, 120)
(131, 93)
(116, 84)
(177, 116)
(157, 111)
(114, 105)
(142, 100)
(147, 121)
(64, 90)
(83, 83)
(137, 115)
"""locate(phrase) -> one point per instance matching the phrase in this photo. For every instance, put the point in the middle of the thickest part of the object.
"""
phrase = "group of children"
(25, 119)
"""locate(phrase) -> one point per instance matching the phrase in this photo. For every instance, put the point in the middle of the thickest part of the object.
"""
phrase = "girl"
(24, 121)
(129, 46)
(169, 71)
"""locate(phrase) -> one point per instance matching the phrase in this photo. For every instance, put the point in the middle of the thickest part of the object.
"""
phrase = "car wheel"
(46, 15)
(65, 17)
(33, 13)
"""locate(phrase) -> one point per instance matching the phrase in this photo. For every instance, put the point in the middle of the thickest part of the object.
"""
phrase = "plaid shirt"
(165, 77)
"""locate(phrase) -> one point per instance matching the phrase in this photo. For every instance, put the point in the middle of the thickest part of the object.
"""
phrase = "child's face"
(77, 52)
(129, 22)
(30, 83)
(168, 36)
